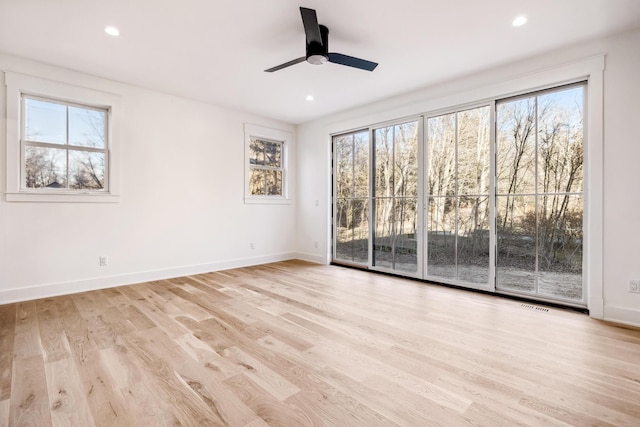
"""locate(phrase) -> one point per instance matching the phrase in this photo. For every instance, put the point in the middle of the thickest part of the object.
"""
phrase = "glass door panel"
(539, 194)
(395, 243)
(351, 205)
(458, 184)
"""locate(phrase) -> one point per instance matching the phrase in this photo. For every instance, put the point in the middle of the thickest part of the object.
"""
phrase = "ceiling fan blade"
(350, 61)
(311, 27)
(286, 64)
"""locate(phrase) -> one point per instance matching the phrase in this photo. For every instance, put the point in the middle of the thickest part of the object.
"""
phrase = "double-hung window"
(266, 164)
(63, 146)
(266, 169)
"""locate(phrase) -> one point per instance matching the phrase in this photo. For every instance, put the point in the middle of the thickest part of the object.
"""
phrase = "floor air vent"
(534, 307)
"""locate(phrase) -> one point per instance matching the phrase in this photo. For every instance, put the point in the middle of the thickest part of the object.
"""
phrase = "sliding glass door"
(488, 197)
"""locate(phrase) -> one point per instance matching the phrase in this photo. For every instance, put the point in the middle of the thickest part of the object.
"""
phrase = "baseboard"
(317, 259)
(72, 287)
(624, 315)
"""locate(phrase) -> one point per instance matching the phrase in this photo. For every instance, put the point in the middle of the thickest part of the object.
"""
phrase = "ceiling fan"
(318, 47)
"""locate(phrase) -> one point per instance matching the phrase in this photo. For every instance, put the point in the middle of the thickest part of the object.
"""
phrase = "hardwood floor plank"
(186, 404)
(258, 422)
(217, 341)
(118, 361)
(271, 410)
(68, 404)
(486, 416)
(52, 337)
(561, 413)
(27, 339)
(7, 336)
(213, 400)
(105, 403)
(398, 381)
(183, 307)
(209, 290)
(274, 383)
(297, 337)
(159, 311)
(295, 343)
(29, 397)
(4, 412)
(145, 408)
(202, 353)
(281, 349)
(137, 318)
(106, 325)
(405, 407)
(326, 405)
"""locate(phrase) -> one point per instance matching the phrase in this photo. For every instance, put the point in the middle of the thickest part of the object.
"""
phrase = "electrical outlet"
(315, 244)
(104, 261)
(252, 246)
(634, 286)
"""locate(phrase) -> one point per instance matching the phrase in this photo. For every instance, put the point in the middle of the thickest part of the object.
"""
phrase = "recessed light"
(112, 31)
(519, 21)
(310, 98)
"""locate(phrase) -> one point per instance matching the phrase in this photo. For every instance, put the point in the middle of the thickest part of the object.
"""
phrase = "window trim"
(21, 84)
(272, 135)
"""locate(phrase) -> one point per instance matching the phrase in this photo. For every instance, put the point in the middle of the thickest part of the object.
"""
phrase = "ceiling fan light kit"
(317, 44)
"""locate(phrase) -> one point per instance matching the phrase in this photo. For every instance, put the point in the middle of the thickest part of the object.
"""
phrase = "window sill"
(62, 198)
(267, 201)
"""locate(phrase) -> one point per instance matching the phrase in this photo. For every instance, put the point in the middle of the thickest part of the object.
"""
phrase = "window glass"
(87, 127)
(45, 121)
(45, 167)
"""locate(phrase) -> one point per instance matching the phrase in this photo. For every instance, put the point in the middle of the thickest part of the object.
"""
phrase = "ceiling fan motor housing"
(318, 54)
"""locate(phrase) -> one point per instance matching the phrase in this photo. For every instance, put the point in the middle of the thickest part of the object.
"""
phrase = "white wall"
(621, 144)
(181, 209)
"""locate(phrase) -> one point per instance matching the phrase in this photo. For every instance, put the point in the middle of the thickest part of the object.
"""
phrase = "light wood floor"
(296, 344)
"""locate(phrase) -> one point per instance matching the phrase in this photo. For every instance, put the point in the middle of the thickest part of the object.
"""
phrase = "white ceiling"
(216, 50)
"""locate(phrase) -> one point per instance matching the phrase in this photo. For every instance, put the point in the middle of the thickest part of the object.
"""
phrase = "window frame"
(266, 134)
(419, 197)
(456, 110)
(335, 197)
(264, 167)
(66, 146)
(20, 86)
